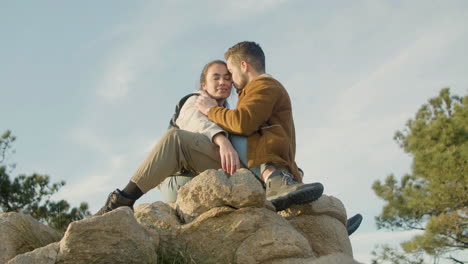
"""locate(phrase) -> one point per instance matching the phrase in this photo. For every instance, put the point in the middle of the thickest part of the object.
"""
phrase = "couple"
(261, 129)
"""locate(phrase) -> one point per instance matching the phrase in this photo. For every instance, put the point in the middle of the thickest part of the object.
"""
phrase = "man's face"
(238, 77)
(218, 83)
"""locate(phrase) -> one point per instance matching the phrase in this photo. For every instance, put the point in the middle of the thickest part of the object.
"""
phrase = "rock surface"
(327, 213)
(21, 233)
(213, 188)
(216, 219)
(43, 255)
(115, 237)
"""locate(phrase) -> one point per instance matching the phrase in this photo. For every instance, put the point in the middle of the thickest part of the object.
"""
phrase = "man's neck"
(253, 75)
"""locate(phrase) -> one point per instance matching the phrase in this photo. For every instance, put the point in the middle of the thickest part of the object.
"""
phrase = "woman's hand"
(229, 158)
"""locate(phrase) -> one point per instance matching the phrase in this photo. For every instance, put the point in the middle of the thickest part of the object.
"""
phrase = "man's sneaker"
(353, 223)
(115, 200)
(283, 191)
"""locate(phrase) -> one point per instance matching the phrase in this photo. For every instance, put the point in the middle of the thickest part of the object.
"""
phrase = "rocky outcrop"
(115, 237)
(21, 233)
(329, 214)
(214, 189)
(216, 219)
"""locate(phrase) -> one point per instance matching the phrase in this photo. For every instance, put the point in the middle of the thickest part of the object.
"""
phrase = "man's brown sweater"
(264, 115)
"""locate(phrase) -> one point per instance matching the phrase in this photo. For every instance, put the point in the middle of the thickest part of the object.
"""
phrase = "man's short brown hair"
(248, 51)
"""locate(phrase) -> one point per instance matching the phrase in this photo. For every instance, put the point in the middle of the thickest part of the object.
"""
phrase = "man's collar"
(263, 76)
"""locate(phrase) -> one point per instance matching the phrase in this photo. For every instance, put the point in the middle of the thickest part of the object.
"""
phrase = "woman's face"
(218, 82)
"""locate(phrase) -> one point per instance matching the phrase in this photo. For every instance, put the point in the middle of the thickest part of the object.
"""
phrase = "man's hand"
(205, 102)
(229, 158)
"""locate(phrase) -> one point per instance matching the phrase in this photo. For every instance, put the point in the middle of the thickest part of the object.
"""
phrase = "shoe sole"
(353, 224)
(301, 196)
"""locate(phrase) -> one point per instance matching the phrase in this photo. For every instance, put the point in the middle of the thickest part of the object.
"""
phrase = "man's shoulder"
(265, 82)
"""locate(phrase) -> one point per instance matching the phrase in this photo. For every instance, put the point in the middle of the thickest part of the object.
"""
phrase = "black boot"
(353, 223)
(115, 200)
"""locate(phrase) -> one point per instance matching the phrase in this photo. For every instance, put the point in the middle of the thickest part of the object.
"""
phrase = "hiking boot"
(353, 223)
(283, 191)
(115, 200)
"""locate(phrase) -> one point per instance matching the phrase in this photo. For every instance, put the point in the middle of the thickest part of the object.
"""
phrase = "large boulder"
(224, 219)
(115, 237)
(227, 235)
(161, 221)
(323, 223)
(246, 235)
(20, 233)
(214, 188)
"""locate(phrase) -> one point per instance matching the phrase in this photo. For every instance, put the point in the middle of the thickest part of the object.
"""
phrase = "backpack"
(178, 106)
(172, 124)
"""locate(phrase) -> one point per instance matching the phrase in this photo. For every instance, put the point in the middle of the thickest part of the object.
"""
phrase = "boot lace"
(288, 178)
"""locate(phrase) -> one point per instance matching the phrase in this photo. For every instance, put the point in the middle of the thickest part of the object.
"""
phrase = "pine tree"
(434, 197)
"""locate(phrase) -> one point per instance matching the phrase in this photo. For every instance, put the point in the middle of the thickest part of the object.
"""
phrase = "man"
(264, 116)
(263, 119)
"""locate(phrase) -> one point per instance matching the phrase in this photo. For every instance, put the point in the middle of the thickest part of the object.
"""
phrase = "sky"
(88, 87)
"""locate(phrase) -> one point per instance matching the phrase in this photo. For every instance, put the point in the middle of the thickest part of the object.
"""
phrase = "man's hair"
(205, 71)
(248, 51)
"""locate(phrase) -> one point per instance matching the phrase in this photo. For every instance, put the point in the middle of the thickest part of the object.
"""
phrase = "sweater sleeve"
(192, 120)
(253, 109)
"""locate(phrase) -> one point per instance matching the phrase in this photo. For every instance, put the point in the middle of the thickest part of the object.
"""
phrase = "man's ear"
(244, 66)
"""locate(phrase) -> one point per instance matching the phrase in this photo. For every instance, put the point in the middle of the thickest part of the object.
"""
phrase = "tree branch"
(456, 260)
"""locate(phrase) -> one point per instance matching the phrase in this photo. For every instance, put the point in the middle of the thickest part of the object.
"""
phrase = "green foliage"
(30, 194)
(5, 144)
(434, 197)
(387, 254)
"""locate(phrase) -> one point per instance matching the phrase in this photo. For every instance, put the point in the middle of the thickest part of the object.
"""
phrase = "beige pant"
(176, 150)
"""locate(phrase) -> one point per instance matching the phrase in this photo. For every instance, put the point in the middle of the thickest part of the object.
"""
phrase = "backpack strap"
(178, 106)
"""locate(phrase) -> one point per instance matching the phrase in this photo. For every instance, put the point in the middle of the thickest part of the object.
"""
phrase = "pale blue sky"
(88, 87)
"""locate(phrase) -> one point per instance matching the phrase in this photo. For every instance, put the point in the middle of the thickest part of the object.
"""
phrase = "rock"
(323, 224)
(43, 255)
(246, 235)
(115, 237)
(213, 188)
(217, 219)
(21, 233)
(247, 191)
(160, 220)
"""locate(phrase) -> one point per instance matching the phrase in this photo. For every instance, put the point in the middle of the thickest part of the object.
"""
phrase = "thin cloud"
(87, 137)
(426, 47)
(241, 9)
(141, 49)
